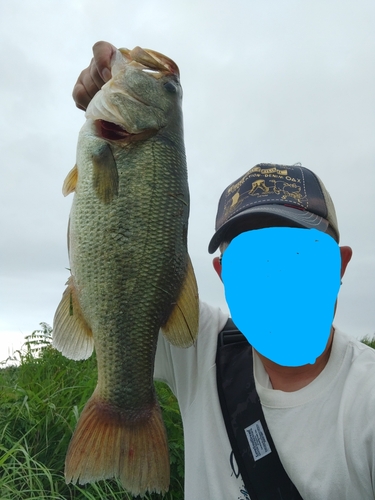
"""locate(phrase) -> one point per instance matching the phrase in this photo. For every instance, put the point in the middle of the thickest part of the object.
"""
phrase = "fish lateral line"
(161, 289)
(177, 198)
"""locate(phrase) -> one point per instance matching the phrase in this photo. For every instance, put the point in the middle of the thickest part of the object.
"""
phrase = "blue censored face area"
(281, 286)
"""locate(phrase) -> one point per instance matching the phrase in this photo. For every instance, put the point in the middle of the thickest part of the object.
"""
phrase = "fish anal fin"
(71, 334)
(70, 182)
(105, 174)
(181, 328)
(106, 444)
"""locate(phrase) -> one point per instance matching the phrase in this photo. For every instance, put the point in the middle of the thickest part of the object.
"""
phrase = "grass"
(369, 341)
(40, 402)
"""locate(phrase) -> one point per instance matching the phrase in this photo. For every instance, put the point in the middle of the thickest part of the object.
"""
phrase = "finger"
(85, 89)
(91, 79)
(103, 52)
(81, 97)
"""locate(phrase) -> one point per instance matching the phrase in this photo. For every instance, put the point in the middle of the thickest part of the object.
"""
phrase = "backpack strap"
(257, 458)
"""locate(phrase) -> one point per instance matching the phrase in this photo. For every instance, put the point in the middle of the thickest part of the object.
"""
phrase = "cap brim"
(266, 216)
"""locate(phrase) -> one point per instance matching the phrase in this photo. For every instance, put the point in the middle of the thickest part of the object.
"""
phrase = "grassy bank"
(41, 399)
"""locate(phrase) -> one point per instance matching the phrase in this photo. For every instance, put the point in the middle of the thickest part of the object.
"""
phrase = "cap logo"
(272, 170)
(268, 181)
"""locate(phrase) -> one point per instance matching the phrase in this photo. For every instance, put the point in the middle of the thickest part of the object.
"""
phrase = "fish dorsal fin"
(181, 329)
(105, 174)
(70, 182)
(71, 334)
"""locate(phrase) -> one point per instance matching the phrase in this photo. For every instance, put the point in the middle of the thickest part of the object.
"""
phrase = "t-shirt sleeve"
(180, 368)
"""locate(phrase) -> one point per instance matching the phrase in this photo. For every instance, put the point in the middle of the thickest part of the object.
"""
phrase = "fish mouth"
(115, 132)
(111, 131)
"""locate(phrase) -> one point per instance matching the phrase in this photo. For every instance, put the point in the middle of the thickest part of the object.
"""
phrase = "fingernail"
(106, 74)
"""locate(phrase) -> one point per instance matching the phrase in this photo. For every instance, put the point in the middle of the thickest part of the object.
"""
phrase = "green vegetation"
(369, 341)
(41, 399)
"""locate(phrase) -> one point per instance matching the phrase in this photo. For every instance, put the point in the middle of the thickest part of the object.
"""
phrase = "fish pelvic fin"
(105, 174)
(70, 182)
(106, 444)
(181, 328)
(71, 334)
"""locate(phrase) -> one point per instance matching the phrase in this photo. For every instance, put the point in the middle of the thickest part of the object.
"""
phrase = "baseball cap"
(274, 195)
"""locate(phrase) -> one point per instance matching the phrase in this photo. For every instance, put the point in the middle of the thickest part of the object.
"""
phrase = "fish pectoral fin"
(70, 182)
(105, 174)
(71, 334)
(181, 328)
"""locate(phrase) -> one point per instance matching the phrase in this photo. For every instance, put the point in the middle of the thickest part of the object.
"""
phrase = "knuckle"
(80, 96)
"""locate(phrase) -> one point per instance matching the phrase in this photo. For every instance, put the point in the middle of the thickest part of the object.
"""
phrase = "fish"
(130, 272)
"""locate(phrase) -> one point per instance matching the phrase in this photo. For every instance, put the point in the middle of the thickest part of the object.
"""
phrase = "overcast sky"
(280, 81)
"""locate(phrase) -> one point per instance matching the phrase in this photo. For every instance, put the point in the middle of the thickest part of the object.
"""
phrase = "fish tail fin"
(106, 444)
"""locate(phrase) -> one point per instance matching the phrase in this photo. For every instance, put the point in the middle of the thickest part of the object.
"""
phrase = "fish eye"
(170, 87)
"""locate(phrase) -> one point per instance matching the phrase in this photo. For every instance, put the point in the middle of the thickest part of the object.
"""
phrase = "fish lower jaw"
(114, 132)
(110, 131)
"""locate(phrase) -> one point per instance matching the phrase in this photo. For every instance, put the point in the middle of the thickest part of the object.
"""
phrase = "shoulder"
(358, 396)
(211, 319)
(171, 359)
(360, 354)
(357, 370)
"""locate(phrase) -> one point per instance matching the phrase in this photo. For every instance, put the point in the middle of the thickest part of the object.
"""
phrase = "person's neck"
(293, 378)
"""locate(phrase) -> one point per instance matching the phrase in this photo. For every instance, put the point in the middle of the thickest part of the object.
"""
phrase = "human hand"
(95, 75)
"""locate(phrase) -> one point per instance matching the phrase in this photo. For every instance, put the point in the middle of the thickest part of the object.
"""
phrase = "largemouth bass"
(130, 271)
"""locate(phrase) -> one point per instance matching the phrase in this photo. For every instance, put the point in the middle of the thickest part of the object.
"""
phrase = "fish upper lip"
(152, 59)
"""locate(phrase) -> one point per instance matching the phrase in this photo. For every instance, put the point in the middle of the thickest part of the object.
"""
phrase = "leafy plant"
(40, 401)
(369, 341)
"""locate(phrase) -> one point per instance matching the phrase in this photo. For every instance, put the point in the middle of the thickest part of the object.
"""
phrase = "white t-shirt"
(324, 433)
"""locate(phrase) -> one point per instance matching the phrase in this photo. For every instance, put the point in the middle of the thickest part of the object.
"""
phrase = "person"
(320, 414)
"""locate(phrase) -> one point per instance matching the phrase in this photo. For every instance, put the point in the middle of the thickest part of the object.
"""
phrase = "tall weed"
(40, 401)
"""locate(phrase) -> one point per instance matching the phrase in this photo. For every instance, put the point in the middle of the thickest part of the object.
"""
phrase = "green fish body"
(130, 271)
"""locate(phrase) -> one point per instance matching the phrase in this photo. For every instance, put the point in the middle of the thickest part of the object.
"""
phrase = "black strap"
(264, 476)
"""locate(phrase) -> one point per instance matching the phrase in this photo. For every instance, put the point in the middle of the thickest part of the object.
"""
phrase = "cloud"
(268, 81)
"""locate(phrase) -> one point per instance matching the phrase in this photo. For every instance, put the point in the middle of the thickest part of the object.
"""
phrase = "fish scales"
(131, 291)
(130, 271)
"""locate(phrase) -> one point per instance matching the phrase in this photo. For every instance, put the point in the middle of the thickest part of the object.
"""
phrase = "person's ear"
(346, 255)
(217, 265)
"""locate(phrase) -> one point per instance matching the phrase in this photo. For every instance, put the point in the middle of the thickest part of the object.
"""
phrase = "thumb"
(103, 52)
